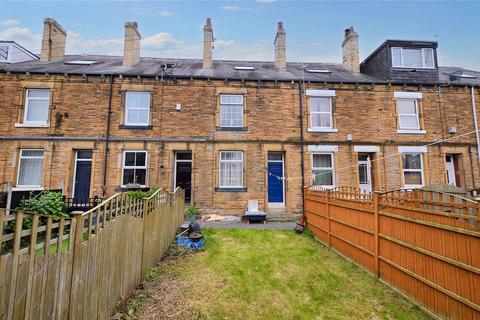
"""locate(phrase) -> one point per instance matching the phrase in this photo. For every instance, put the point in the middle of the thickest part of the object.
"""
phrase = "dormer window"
(413, 58)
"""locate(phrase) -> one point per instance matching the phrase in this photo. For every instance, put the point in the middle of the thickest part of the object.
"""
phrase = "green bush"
(139, 194)
(192, 210)
(46, 203)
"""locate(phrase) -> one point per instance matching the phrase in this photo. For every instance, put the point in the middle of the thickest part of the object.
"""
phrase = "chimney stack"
(350, 50)
(53, 41)
(208, 45)
(280, 47)
(131, 44)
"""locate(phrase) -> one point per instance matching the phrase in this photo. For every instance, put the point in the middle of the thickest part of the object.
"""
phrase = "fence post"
(77, 225)
(376, 208)
(144, 217)
(15, 260)
(328, 219)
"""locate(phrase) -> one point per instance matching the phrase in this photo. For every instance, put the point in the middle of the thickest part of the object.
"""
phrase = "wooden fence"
(425, 244)
(81, 267)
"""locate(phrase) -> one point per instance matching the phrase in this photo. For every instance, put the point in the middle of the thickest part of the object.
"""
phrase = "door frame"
(175, 160)
(277, 204)
(75, 171)
(369, 171)
(452, 162)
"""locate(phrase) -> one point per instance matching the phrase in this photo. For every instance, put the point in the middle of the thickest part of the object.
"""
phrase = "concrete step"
(283, 217)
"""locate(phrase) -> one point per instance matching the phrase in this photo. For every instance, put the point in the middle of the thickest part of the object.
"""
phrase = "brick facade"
(79, 112)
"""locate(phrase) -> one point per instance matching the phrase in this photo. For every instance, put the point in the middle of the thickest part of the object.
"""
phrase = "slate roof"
(222, 69)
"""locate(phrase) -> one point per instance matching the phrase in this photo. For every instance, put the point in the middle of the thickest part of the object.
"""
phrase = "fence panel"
(80, 267)
(426, 244)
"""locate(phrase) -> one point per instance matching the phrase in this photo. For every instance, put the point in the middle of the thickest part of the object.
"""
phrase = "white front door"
(449, 163)
(365, 172)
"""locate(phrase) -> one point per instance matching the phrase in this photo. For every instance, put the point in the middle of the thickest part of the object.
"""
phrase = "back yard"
(263, 274)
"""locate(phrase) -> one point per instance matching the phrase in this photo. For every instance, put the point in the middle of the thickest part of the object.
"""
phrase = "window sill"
(411, 131)
(125, 126)
(409, 69)
(26, 188)
(231, 128)
(142, 188)
(32, 125)
(327, 130)
(413, 186)
(320, 187)
(221, 189)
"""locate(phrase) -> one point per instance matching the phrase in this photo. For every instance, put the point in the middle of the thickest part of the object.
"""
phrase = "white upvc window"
(137, 108)
(231, 110)
(134, 170)
(412, 166)
(408, 114)
(30, 168)
(413, 58)
(321, 113)
(37, 106)
(323, 170)
(231, 169)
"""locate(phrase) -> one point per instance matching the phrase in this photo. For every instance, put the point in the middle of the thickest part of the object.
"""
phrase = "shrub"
(192, 210)
(46, 203)
(139, 194)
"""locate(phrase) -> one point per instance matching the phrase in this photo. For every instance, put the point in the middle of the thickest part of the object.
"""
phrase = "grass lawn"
(264, 274)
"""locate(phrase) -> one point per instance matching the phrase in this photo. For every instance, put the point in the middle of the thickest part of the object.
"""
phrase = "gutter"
(475, 123)
(107, 136)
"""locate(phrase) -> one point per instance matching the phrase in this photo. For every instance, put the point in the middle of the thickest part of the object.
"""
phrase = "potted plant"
(191, 213)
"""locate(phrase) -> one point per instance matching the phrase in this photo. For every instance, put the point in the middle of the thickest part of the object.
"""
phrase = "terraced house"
(230, 131)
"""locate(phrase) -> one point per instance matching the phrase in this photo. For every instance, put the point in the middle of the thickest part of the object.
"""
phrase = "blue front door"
(275, 185)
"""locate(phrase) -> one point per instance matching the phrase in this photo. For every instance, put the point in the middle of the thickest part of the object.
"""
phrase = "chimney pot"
(350, 50)
(280, 47)
(208, 45)
(53, 41)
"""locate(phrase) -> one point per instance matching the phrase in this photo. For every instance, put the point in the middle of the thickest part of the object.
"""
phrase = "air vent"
(81, 62)
(245, 68)
(319, 71)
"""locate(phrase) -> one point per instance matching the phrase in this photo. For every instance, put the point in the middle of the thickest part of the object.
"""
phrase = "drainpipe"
(302, 147)
(475, 124)
(107, 136)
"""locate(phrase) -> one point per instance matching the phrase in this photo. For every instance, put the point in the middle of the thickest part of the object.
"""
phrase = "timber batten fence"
(425, 244)
(81, 267)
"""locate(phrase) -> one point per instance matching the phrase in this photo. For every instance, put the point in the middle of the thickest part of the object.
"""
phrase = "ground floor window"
(323, 171)
(30, 168)
(412, 170)
(134, 168)
(231, 169)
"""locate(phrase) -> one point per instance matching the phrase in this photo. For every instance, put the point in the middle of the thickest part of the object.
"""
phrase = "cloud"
(167, 45)
(151, 13)
(9, 23)
(237, 8)
(23, 36)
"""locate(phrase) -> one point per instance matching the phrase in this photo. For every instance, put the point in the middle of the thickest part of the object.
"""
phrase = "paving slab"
(244, 225)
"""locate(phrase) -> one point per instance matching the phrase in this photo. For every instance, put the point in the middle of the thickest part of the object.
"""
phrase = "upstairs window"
(231, 169)
(322, 169)
(37, 105)
(137, 108)
(413, 58)
(408, 114)
(3, 53)
(134, 168)
(321, 113)
(412, 170)
(30, 168)
(231, 110)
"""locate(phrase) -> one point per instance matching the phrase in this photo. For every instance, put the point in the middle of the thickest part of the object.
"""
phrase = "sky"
(245, 30)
